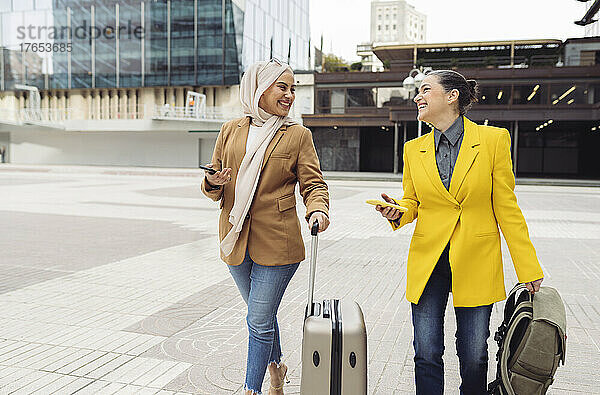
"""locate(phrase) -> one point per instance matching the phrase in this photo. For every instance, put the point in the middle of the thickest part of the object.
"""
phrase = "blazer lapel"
(430, 166)
(278, 135)
(239, 146)
(466, 156)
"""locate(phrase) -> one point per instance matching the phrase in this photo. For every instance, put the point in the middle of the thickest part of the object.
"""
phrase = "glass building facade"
(74, 44)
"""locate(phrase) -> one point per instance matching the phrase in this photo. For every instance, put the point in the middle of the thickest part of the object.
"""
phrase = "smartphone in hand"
(208, 169)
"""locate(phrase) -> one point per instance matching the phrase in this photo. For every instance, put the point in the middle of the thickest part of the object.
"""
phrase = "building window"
(567, 94)
(337, 101)
(393, 27)
(387, 27)
(379, 27)
(323, 102)
(495, 95)
(360, 97)
(379, 16)
(530, 94)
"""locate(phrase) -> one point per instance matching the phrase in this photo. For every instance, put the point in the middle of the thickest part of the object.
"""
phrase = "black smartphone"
(208, 169)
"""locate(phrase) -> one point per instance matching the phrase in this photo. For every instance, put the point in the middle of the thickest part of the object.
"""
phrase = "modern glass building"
(134, 83)
(83, 44)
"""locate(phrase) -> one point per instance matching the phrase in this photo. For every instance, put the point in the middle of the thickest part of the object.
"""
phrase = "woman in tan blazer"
(259, 159)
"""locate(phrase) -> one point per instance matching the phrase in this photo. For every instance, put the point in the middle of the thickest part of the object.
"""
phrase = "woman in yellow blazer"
(459, 186)
(260, 158)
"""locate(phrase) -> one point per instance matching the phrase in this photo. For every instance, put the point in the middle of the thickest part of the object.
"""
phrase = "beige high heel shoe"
(277, 384)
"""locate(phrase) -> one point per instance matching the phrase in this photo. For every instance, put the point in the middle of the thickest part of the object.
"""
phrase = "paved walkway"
(110, 283)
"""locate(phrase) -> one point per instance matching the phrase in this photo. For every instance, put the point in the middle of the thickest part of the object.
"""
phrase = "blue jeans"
(262, 288)
(473, 330)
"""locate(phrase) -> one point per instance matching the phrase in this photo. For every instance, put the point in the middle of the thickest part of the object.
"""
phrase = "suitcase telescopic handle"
(314, 231)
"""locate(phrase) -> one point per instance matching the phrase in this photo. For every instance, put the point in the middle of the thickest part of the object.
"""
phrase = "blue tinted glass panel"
(182, 43)
(156, 62)
(81, 53)
(130, 44)
(106, 48)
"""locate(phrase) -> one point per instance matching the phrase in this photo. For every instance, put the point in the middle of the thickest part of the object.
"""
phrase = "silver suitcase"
(334, 343)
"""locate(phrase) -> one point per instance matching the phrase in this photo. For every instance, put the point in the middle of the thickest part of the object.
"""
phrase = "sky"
(345, 23)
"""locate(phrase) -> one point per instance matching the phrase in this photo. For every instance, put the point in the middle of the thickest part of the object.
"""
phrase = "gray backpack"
(531, 342)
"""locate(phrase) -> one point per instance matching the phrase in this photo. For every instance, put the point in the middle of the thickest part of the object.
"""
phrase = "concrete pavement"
(110, 282)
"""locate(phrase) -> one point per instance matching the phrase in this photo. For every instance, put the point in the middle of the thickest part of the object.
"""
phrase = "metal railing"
(45, 115)
(60, 115)
(166, 112)
(519, 61)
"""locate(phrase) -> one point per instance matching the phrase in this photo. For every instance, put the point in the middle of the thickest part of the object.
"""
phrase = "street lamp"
(411, 83)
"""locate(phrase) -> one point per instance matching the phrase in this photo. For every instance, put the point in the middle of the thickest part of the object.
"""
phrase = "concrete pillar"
(62, 100)
(105, 111)
(10, 103)
(89, 104)
(123, 104)
(228, 96)
(147, 101)
(170, 97)
(45, 100)
(21, 101)
(210, 97)
(179, 97)
(134, 111)
(160, 96)
(114, 104)
(53, 101)
(62, 106)
(77, 104)
(96, 104)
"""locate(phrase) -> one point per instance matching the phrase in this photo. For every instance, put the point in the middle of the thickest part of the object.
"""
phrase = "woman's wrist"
(209, 185)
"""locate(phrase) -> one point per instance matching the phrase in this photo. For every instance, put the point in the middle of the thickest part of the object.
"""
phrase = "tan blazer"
(271, 231)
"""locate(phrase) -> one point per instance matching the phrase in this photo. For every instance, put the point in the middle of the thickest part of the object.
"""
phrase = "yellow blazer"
(480, 198)
(271, 231)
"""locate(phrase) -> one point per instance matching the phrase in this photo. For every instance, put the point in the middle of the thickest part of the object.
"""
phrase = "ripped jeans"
(262, 288)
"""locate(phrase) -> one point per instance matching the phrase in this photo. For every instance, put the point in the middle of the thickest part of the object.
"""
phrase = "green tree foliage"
(333, 63)
(357, 66)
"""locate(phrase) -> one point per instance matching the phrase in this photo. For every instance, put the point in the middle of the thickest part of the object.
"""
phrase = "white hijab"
(256, 80)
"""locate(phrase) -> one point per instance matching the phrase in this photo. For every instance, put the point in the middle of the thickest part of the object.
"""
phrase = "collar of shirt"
(452, 134)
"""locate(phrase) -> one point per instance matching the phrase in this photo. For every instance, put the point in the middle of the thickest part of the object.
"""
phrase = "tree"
(356, 66)
(332, 63)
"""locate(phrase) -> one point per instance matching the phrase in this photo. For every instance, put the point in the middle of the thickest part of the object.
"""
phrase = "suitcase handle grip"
(315, 228)
(313, 266)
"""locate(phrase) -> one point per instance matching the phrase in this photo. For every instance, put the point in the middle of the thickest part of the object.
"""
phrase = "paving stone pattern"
(111, 283)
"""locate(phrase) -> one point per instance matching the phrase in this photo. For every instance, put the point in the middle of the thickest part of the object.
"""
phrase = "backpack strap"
(524, 311)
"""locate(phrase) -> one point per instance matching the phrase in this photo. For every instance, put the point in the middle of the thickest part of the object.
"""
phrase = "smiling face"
(278, 98)
(433, 102)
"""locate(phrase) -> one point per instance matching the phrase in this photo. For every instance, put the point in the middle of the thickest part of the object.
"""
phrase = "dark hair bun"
(474, 90)
(468, 89)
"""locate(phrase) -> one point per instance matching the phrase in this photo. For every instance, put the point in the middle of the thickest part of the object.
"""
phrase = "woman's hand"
(389, 213)
(534, 286)
(219, 178)
(321, 217)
